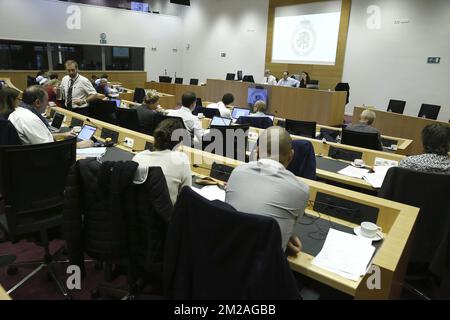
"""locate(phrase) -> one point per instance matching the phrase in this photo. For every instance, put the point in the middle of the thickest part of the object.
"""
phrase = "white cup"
(359, 163)
(201, 115)
(369, 229)
(77, 129)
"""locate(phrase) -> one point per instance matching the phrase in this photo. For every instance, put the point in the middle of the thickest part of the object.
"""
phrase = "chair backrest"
(179, 80)
(165, 79)
(8, 134)
(103, 110)
(234, 141)
(429, 192)
(32, 182)
(250, 264)
(313, 84)
(239, 75)
(304, 162)
(139, 95)
(256, 122)
(248, 78)
(301, 128)
(230, 76)
(368, 140)
(161, 117)
(343, 86)
(207, 112)
(128, 118)
(193, 82)
(396, 106)
(429, 111)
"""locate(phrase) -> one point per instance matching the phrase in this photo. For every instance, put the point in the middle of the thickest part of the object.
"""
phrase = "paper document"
(211, 193)
(353, 172)
(345, 254)
(376, 179)
(91, 152)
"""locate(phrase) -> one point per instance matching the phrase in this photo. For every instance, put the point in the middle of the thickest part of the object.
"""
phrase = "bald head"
(275, 143)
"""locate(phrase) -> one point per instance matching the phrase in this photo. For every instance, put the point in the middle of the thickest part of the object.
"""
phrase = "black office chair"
(343, 86)
(367, 140)
(179, 80)
(161, 117)
(128, 118)
(193, 82)
(103, 110)
(239, 75)
(199, 102)
(8, 134)
(313, 84)
(248, 78)
(139, 95)
(429, 111)
(165, 79)
(230, 76)
(396, 106)
(256, 122)
(301, 128)
(430, 242)
(32, 182)
(235, 149)
(207, 112)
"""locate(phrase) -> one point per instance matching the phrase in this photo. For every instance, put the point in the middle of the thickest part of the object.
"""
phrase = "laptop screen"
(218, 121)
(86, 133)
(239, 112)
(117, 101)
(57, 120)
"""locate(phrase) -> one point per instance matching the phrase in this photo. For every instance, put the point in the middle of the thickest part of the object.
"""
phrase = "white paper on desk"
(376, 179)
(345, 254)
(211, 193)
(353, 172)
(91, 152)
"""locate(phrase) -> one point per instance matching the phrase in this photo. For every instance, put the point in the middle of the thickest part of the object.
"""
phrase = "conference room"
(197, 150)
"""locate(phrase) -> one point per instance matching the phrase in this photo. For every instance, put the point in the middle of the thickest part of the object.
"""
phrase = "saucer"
(358, 166)
(377, 237)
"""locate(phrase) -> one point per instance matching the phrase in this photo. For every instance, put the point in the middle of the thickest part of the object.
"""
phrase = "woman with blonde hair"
(146, 112)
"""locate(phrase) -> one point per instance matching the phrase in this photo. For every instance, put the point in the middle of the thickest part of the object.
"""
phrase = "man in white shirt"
(269, 78)
(224, 106)
(78, 91)
(192, 123)
(280, 194)
(31, 126)
(288, 82)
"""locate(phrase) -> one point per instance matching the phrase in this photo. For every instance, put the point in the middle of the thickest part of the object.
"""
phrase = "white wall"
(235, 27)
(45, 20)
(391, 63)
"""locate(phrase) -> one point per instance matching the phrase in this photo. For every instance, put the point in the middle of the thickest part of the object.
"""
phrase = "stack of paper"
(353, 172)
(91, 152)
(376, 179)
(345, 254)
(211, 193)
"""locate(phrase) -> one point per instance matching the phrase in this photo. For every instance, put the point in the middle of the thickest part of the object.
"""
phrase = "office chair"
(396, 106)
(103, 110)
(165, 79)
(128, 118)
(248, 78)
(8, 134)
(429, 111)
(367, 140)
(239, 75)
(199, 102)
(193, 82)
(179, 80)
(32, 181)
(313, 84)
(256, 122)
(430, 242)
(343, 86)
(301, 128)
(207, 112)
(234, 141)
(139, 95)
(230, 76)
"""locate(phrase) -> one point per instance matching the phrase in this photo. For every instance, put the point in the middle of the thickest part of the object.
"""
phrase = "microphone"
(165, 72)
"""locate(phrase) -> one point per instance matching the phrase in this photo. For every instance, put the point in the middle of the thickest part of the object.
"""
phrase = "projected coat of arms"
(303, 38)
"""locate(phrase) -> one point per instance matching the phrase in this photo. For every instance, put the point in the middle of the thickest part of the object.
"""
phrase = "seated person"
(41, 77)
(9, 101)
(192, 123)
(51, 87)
(102, 87)
(174, 164)
(365, 125)
(281, 195)
(260, 109)
(97, 80)
(269, 78)
(31, 126)
(304, 80)
(54, 76)
(436, 145)
(288, 82)
(146, 111)
(224, 106)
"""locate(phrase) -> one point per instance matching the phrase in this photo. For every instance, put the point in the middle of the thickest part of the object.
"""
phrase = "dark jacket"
(146, 119)
(108, 217)
(8, 134)
(214, 252)
(304, 162)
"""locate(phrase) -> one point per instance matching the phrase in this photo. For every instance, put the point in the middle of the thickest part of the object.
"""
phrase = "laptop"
(86, 133)
(218, 121)
(239, 112)
(57, 121)
(117, 101)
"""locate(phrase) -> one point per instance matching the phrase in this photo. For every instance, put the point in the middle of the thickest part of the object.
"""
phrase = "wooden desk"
(398, 125)
(325, 107)
(10, 84)
(3, 294)
(397, 221)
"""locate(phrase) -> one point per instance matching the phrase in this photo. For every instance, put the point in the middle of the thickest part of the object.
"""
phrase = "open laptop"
(239, 112)
(86, 133)
(57, 121)
(218, 121)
